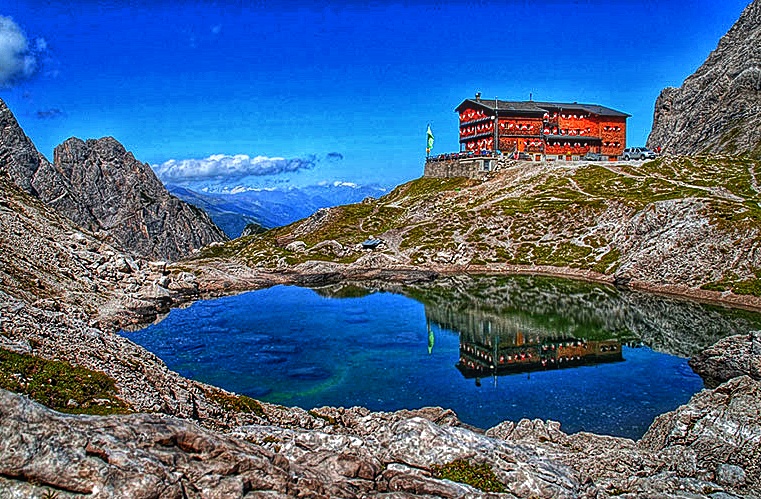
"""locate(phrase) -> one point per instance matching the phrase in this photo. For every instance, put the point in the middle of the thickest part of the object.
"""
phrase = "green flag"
(429, 144)
(431, 339)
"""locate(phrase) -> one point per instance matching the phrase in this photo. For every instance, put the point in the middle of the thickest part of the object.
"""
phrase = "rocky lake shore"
(193, 440)
(92, 243)
(66, 292)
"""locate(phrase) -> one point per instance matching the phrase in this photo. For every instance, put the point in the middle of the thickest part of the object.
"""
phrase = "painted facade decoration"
(544, 130)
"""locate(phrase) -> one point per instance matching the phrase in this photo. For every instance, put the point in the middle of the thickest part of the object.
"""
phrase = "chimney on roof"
(531, 96)
(478, 96)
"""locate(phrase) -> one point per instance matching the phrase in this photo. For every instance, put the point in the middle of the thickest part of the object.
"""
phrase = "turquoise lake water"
(496, 349)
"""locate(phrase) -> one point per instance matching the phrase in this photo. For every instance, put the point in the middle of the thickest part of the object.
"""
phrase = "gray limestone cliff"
(101, 186)
(718, 108)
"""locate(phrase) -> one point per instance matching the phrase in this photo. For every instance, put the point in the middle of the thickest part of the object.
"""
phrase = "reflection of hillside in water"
(546, 309)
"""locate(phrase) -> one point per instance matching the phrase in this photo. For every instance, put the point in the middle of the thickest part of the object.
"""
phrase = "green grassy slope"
(687, 221)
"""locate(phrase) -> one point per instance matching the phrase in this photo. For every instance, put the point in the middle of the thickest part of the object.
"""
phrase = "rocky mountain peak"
(718, 108)
(18, 156)
(124, 197)
(100, 185)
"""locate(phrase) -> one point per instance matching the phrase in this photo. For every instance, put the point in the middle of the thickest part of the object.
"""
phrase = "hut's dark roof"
(539, 108)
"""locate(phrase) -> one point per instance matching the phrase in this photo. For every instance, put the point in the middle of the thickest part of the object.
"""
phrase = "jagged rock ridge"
(101, 186)
(718, 108)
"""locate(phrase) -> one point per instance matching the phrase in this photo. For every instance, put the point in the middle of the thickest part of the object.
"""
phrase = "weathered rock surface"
(716, 437)
(64, 292)
(729, 358)
(696, 451)
(102, 187)
(135, 456)
(49, 261)
(718, 108)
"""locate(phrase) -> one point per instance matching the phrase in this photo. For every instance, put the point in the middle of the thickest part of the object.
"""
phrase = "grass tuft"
(59, 385)
(480, 476)
(236, 403)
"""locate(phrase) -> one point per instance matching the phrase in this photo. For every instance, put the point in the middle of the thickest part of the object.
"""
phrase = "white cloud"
(17, 61)
(216, 29)
(228, 168)
(339, 183)
(41, 44)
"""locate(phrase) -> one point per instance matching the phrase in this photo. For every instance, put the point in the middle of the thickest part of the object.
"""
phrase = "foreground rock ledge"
(710, 447)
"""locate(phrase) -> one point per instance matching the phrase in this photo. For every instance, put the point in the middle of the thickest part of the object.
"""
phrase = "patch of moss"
(426, 186)
(226, 250)
(480, 476)
(59, 385)
(745, 287)
(561, 255)
(236, 403)
(608, 263)
(729, 139)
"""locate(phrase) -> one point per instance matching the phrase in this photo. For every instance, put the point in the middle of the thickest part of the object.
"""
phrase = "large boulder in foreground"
(102, 187)
(135, 456)
(718, 108)
(715, 437)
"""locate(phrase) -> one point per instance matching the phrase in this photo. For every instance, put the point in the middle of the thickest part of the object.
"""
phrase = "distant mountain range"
(273, 207)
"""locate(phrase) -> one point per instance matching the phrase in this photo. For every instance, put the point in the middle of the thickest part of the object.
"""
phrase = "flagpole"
(427, 149)
(428, 141)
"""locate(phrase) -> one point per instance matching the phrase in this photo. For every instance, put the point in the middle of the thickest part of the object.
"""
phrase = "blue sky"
(276, 94)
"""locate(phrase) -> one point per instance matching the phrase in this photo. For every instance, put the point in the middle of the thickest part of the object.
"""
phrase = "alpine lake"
(593, 357)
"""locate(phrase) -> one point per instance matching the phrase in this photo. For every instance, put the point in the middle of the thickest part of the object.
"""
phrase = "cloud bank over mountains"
(18, 60)
(239, 172)
(238, 189)
(231, 168)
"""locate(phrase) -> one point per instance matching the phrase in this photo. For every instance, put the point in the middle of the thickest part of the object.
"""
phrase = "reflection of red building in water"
(504, 354)
(551, 130)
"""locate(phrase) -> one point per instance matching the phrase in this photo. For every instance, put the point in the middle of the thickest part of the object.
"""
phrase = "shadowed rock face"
(101, 186)
(717, 109)
(18, 156)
